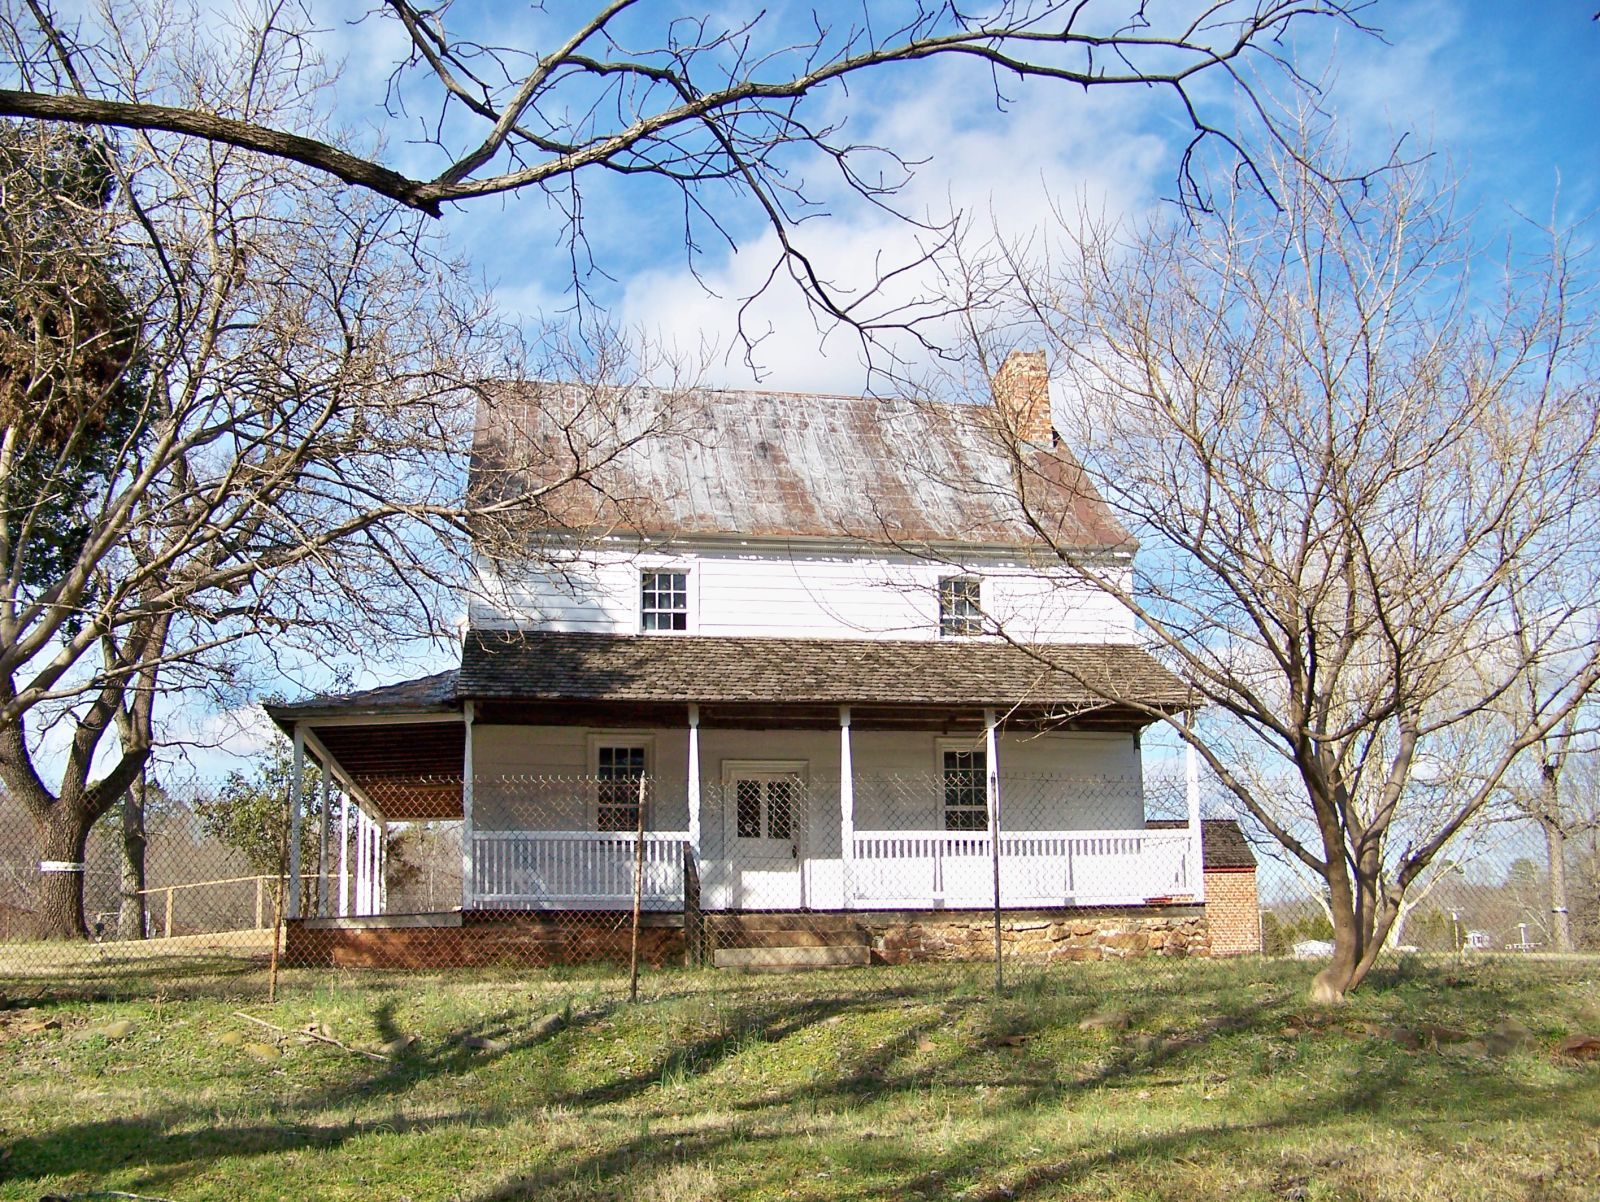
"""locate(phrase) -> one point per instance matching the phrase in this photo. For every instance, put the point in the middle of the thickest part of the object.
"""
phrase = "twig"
(310, 1034)
(101, 1193)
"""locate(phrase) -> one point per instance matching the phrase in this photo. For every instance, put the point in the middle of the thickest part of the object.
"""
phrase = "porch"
(580, 776)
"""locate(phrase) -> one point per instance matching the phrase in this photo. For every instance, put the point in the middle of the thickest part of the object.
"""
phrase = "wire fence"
(762, 869)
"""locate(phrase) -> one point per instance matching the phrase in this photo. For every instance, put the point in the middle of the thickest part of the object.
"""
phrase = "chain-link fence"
(761, 869)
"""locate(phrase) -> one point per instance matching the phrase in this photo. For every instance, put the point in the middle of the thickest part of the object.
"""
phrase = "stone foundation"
(1080, 935)
(491, 938)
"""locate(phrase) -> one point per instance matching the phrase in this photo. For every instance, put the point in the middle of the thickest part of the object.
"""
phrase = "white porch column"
(380, 859)
(991, 752)
(344, 853)
(847, 806)
(469, 896)
(361, 861)
(694, 781)
(295, 799)
(324, 885)
(1197, 853)
(372, 865)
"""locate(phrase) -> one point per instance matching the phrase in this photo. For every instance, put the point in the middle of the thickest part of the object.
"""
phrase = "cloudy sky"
(1505, 97)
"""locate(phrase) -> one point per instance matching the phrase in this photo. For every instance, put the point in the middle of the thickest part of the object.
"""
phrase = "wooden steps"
(787, 942)
(792, 959)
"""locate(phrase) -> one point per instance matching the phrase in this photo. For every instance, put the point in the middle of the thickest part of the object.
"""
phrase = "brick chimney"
(1022, 395)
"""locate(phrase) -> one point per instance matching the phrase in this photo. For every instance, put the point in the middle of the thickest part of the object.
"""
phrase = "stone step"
(842, 923)
(791, 959)
(789, 938)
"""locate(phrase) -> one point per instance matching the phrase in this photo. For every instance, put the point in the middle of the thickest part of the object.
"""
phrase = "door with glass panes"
(765, 824)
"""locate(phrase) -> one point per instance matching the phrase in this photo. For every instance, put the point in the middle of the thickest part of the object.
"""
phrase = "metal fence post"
(991, 755)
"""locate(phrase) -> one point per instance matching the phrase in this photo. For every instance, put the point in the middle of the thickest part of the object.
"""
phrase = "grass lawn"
(1193, 1081)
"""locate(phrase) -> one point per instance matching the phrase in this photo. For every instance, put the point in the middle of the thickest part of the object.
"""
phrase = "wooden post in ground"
(260, 882)
(638, 894)
(993, 797)
(169, 912)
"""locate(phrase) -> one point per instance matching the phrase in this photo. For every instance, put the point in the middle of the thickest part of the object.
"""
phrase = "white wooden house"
(817, 638)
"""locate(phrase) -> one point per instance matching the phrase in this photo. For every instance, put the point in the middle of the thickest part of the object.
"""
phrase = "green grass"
(914, 1082)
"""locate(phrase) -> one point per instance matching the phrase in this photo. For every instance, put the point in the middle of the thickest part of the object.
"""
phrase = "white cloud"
(1007, 169)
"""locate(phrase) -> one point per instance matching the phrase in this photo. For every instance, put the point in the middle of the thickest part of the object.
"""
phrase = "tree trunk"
(131, 917)
(63, 836)
(1330, 985)
(1555, 842)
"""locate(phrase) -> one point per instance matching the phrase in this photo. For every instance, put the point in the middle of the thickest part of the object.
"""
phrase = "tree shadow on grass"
(111, 1145)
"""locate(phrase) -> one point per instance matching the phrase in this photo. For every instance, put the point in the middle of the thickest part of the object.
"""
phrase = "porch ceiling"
(410, 770)
(961, 719)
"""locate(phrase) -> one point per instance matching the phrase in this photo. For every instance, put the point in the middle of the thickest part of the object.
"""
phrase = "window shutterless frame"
(963, 776)
(663, 600)
(960, 606)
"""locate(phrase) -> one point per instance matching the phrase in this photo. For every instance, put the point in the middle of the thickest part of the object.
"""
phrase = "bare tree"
(742, 109)
(1349, 458)
(235, 416)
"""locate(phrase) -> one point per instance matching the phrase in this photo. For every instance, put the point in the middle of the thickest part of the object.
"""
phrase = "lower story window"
(966, 804)
(619, 770)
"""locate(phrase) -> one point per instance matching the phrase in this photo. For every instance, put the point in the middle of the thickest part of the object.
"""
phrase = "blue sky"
(1506, 96)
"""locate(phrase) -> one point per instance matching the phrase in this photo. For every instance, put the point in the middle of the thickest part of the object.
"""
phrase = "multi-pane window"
(758, 798)
(664, 600)
(966, 806)
(619, 770)
(959, 610)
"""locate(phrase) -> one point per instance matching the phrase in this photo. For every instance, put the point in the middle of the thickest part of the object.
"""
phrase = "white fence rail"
(553, 869)
(889, 869)
(914, 869)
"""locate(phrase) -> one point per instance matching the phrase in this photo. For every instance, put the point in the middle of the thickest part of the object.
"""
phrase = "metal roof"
(782, 464)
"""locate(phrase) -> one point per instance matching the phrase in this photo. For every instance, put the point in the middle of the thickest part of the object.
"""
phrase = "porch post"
(469, 895)
(694, 780)
(360, 852)
(324, 893)
(381, 860)
(847, 806)
(295, 799)
(1197, 853)
(344, 853)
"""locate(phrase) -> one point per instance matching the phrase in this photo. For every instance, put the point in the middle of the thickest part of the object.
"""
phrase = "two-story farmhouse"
(805, 668)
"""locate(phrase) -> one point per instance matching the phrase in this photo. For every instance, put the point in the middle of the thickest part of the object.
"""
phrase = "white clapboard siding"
(780, 593)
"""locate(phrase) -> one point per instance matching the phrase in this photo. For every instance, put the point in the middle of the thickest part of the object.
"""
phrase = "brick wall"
(1233, 913)
(481, 940)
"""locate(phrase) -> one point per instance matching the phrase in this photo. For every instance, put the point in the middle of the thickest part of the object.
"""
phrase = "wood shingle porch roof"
(1070, 678)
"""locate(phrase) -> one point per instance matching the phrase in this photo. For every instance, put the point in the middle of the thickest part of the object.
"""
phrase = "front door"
(766, 818)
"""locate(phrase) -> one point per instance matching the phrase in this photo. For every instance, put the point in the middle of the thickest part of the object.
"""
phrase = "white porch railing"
(554, 869)
(954, 869)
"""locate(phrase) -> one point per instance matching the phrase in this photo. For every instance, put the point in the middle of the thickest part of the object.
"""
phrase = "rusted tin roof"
(783, 464)
(545, 666)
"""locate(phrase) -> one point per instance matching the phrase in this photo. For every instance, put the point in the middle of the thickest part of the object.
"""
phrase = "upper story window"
(966, 793)
(959, 609)
(663, 600)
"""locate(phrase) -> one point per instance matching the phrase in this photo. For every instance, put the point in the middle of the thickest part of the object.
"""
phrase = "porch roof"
(1076, 677)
